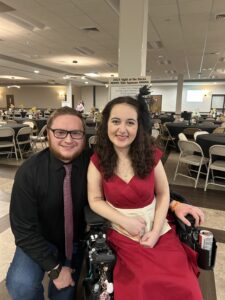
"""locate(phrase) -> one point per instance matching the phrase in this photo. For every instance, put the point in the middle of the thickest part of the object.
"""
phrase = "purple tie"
(68, 212)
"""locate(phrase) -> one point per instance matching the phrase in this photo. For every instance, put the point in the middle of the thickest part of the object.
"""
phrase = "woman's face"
(122, 125)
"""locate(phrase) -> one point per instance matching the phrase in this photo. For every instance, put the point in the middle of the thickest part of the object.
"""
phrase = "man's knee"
(24, 285)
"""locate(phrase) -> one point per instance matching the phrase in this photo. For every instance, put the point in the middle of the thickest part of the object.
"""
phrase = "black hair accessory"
(144, 115)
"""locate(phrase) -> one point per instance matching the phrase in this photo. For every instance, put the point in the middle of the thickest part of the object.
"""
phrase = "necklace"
(125, 172)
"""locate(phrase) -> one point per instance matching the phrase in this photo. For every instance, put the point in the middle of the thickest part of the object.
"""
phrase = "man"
(37, 213)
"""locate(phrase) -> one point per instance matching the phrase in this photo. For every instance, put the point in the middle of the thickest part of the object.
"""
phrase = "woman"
(127, 185)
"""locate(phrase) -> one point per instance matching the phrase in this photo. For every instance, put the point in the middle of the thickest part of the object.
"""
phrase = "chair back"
(24, 131)
(199, 133)
(189, 147)
(222, 125)
(217, 150)
(7, 136)
(92, 140)
(155, 133)
(42, 131)
(7, 132)
(182, 137)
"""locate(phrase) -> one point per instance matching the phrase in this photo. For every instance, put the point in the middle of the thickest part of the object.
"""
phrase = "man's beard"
(61, 157)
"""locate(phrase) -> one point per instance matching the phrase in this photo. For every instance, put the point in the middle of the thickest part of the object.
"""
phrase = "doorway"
(9, 101)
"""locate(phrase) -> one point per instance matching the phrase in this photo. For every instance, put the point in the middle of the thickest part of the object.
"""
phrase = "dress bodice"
(137, 193)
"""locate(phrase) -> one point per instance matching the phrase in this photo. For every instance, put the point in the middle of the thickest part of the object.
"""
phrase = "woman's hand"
(183, 209)
(149, 239)
(134, 225)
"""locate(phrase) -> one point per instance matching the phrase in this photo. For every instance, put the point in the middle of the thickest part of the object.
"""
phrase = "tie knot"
(68, 168)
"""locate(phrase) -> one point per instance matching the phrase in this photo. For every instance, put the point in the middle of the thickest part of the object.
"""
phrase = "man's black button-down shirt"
(36, 210)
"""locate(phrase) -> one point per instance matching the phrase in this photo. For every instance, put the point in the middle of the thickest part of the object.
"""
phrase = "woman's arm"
(162, 205)
(181, 210)
(134, 225)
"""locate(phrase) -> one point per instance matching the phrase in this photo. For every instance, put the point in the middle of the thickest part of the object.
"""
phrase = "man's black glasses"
(62, 134)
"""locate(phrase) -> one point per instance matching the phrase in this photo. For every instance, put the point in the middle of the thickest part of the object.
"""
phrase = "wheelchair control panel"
(98, 285)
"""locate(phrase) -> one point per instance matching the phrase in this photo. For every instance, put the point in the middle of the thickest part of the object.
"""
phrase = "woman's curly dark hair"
(141, 150)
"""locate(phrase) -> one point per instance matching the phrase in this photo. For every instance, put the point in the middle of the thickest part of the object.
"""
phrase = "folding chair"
(92, 141)
(182, 137)
(165, 136)
(155, 133)
(7, 141)
(199, 133)
(23, 141)
(216, 162)
(33, 125)
(191, 154)
(40, 138)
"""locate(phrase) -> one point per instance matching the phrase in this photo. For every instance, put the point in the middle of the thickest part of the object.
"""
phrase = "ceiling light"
(92, 74)
(36, 71)
(13, 86)
(86, 82)
(83, 77)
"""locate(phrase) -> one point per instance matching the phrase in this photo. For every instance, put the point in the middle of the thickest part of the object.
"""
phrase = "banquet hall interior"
(57, 53)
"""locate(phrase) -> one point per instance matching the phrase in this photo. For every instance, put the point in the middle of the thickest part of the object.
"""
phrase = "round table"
(208, 140)
(176, 128)
(40, 122)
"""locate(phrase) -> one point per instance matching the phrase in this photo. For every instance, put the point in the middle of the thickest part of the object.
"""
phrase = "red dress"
(167, 271)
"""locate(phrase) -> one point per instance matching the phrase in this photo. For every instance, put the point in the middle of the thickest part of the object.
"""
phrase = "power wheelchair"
(100, 258)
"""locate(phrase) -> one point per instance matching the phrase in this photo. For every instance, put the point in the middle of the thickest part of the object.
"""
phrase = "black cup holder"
(206, 262)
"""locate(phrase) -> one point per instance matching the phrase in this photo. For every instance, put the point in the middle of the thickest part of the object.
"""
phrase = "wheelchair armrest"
(183, 226)
(92, 218)
(177, 197)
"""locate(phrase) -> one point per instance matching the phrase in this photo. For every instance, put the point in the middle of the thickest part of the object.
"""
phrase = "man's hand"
(182, 210)
(65, 279)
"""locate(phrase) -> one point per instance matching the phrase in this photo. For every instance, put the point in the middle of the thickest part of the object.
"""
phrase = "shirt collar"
(57, 164)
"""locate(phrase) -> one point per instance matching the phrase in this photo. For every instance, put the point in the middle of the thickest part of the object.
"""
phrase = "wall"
(39, 96)
(169, 94)
(87, 96)
(101, 96)
(29, 96)
(48, 97)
